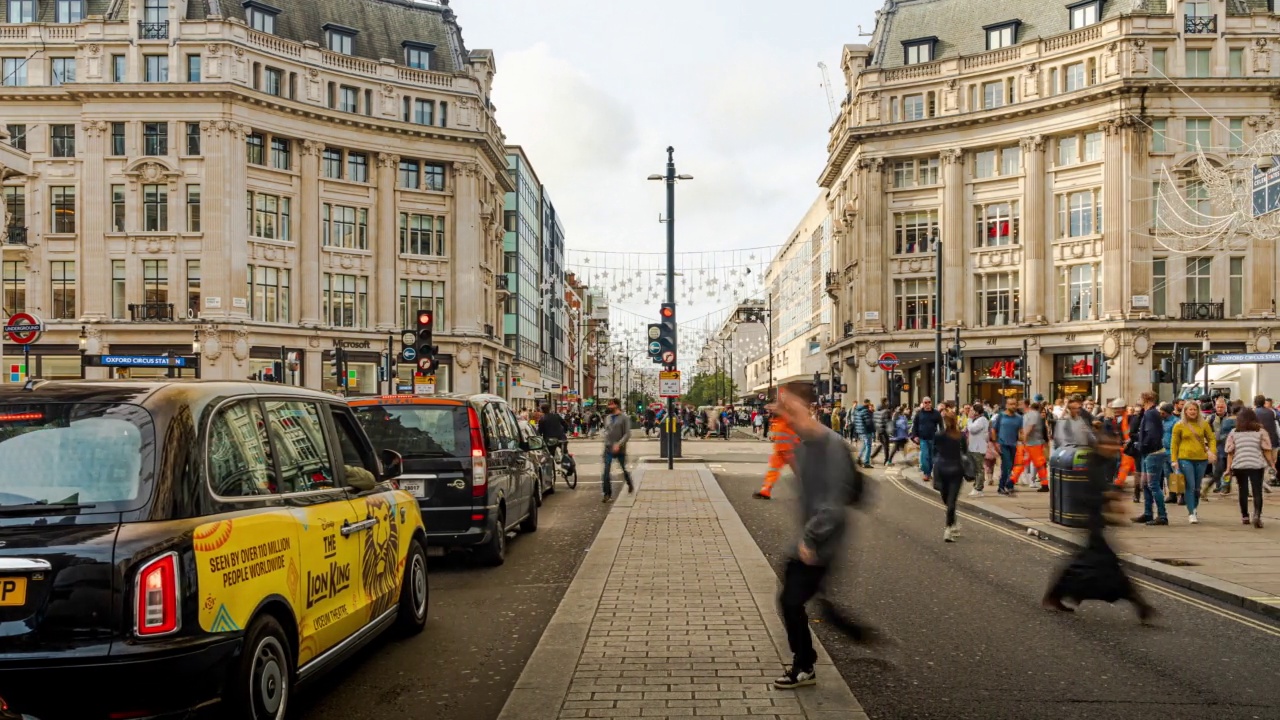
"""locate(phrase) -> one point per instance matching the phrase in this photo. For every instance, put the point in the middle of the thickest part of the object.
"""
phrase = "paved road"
(969, 638)
(483, 624)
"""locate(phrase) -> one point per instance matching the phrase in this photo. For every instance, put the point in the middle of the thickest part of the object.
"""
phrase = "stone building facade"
(1032, 140)
(260, 177)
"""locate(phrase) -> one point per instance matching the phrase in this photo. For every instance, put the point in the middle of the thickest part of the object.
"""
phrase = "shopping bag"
(1177, 483)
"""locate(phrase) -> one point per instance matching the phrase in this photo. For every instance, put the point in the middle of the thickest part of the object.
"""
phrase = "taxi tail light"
(156, 612)
(479, 463)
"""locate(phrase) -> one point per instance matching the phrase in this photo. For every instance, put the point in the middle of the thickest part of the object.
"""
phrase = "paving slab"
(672, 615)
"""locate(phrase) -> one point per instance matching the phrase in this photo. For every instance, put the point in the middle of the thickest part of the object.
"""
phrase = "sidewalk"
(672, 615)
(1237, 564)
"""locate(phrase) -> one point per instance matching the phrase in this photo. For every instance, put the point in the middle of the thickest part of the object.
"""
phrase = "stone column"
(307, 283)
(1034, 223)
(1138, 245)
(215, 223)
(951, 232)
(235, 210)
(873, 255)
(385, 247)
(1113, 220)
(94, 269)
(465, 314)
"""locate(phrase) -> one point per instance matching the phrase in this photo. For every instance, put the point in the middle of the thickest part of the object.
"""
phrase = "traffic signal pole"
(671, 287)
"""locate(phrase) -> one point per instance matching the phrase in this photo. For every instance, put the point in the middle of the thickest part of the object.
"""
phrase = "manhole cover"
(1175, 562)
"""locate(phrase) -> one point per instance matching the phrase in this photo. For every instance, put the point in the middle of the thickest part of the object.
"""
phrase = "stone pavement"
(672, 615)
(1219, 557)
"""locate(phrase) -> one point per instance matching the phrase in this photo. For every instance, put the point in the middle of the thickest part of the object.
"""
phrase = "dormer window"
(21, 11)
(339, 39)
(1085, 14)
(418, 54)
(920, 50)
(69, 11)
(260, 16)
(1002, 35)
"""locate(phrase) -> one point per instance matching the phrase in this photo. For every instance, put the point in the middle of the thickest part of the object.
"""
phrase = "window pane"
(239, 455)
(299, 438)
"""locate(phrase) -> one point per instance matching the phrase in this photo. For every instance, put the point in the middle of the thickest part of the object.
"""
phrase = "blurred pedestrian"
(948, 469)
(898, 433)
(1249, 453)
(783, 455)
(880, 425)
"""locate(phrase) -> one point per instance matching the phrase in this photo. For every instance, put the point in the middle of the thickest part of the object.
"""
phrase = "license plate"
(415, 488)
(435, 551)
(13, 591)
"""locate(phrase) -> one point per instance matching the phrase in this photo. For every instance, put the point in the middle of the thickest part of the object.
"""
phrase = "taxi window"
(354, 458)
(239, 455)
(298, 438)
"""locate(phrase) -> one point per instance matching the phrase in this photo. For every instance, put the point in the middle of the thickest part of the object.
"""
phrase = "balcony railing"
(16, 235)
(1202, 311)
(500, 282)
(153, 30)
(833, 278)
(488, 330)
(1200, 24)
(151, 312)
(848, 329)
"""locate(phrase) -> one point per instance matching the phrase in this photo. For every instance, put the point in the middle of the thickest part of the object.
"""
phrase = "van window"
(239, 455)
(417, 431)
(492, 429)
(507, 427)
(298, 438)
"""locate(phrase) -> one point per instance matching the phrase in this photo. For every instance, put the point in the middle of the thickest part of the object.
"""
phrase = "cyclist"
(551, 428)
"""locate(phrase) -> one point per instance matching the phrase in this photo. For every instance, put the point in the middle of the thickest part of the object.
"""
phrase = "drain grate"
(1176, 562)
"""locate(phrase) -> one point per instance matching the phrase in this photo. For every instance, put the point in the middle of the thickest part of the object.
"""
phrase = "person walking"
(898, 434)
(1005, 431)
(826, 476)
(1223, 421)
(924, 428)
(783, 455)
(864, 426)
(880, 425)
(1192, 445)
(948, 469)
(757, 424)
(1033, 443)
(1249, 454)
(1271, 426)
(978, 443)
(617, 431)
(1153, 459)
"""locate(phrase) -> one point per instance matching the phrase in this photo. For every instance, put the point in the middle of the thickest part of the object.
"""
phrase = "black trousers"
(1250, 480)
(800, 583)
(950, 491)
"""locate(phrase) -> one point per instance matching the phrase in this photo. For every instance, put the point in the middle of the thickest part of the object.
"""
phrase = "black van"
(467, 462)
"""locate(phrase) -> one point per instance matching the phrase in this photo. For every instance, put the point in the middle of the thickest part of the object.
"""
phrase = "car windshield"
(72, 453)
(417, 431)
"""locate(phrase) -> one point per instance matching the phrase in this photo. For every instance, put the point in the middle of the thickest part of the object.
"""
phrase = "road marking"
(894, 476)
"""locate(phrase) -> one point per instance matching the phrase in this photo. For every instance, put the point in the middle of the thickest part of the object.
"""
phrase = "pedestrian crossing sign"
(17, 371)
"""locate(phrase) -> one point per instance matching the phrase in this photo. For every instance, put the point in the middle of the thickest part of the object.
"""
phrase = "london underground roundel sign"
(23, 328)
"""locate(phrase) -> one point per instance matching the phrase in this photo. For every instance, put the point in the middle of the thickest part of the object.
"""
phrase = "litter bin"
(669, 426)
(1069, 486)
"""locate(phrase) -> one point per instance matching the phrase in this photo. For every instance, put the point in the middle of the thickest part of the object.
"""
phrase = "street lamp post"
(670, 178)
(937, 318)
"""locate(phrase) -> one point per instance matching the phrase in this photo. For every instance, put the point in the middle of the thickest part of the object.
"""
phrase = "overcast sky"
(595, 90)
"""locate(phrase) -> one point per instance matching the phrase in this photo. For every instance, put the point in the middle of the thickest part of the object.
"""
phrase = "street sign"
(127, 361)
(889, 362)
(655, 347)
(424, 385)
(1243, 358)
(408, 354)
(669, 383)
(425, 363)
(668, 356)
(655, 332)
(23, 328)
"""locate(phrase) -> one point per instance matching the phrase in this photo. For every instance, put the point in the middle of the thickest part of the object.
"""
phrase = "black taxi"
(176, 546)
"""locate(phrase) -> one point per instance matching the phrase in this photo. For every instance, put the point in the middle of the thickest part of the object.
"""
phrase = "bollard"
(670, 426)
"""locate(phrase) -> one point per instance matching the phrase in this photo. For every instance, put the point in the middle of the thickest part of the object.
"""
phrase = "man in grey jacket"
(825, 471)
(617, 431)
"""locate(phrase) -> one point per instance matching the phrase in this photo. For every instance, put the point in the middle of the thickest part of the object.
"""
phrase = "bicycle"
(566, 468)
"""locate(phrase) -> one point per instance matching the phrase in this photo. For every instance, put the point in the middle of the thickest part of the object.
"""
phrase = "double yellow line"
(894, 477)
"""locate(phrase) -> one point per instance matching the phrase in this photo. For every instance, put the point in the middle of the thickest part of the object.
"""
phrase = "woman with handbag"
(1192, 445)
(948, 469)
(978, 445)
(1249, 454)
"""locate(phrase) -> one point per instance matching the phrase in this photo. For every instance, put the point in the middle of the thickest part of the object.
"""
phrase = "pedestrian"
(1005, 430)
(898, 433)
(1192, 445)
(1126, 463)
(924, 428)
(617, 432)
(880, 425)
(1249, 454)
(978, 444)
(1268, 420)
(948, 469)
(783, 455)
(1154, 460)
(1223, 421)
(757, 424)
(825, 473)
(1033, 447)
(1094, 573)
(650, 420)
(864, 426)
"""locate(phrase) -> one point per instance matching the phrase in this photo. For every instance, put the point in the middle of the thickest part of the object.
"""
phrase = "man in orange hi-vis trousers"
(1127, 463)
(784, 443)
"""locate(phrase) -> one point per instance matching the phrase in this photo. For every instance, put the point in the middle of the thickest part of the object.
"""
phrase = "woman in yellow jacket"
(1192, 445)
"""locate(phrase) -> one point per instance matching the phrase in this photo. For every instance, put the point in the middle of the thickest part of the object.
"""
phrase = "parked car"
(175, 544)
(465, 460)
(544, 465)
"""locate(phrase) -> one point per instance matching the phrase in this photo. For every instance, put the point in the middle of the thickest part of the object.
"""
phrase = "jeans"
(950, 491)
(1250, 480)
(865, 453)
(1156, 468)
(926, 457)
(1194, 471)
(800, 582)
(1219, 467)
(980, 462)
(1007, 453)
(609, 457)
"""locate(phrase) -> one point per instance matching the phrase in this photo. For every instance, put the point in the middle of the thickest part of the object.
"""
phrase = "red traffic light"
(424, 318)
(668, 311)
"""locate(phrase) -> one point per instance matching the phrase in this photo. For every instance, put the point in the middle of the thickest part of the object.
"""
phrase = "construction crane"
(826, 83)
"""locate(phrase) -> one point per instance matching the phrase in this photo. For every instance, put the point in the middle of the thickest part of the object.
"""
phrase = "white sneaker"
(977, 493)
(955, 531)
(1193, 519)
(948, 535)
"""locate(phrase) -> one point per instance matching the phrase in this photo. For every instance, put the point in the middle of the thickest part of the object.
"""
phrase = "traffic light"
(338, 366)
(424, 351)
(1187, 364)
(1024, 369)
(1101, 370)
(654, 347)
(667, 336)
(277, 371)
(1165, 372)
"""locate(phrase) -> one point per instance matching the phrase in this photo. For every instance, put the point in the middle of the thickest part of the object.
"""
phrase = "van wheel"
(414, 592)
(530, 524)
(264, 679)
(494, 552)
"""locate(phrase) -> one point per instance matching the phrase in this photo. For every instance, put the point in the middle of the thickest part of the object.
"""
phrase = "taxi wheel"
(494, 552)
(412, 617)
(264, 679)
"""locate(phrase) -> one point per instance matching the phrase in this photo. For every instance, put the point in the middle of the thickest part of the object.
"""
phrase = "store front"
(263, 360)
(149, 373)
(992, 379)
(1072, 375)
(51, 362)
